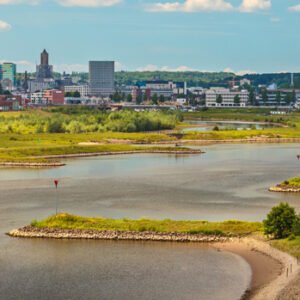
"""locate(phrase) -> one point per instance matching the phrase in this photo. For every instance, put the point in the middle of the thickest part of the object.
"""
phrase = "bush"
(280, 221)
(296, 226)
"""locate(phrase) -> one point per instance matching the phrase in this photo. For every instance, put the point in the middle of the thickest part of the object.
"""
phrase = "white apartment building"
(84, 90)
(37, 98)
(227, 97)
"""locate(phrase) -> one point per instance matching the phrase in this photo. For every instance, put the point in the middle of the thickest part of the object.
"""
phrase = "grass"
(244, 134)
(226, 228)
(292, 182)
(27, 147)
(291, 246)
(67, 221)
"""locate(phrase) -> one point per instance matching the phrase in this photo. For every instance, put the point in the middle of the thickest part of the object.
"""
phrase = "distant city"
(101, 88)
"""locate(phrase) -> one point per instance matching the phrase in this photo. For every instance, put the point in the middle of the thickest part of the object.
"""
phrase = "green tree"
(129, 98)
(139, 98)
(76, 94)
(296, 227)
(293, 96)
(237, 100)
(252, 98)
(154, 99)
(161, 98)
(280, 221)
(265, 97)
(278, 98)
(145, 97)
(219, 99)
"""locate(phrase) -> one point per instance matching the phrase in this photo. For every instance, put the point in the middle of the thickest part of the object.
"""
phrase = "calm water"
(226, 125)
(228, 182)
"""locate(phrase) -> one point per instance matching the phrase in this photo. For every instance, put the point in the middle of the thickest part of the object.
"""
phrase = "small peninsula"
(288, 186)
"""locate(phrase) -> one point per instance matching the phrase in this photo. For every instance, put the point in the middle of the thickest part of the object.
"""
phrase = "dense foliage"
(84, 120)
(282, 221)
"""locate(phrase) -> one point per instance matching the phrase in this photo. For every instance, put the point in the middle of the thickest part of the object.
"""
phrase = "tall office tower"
(9, 72)
(102, 78)
(1, 72)
(44, 70)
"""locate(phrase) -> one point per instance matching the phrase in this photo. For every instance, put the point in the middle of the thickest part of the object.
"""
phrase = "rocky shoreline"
(284, 189)
(57, 233)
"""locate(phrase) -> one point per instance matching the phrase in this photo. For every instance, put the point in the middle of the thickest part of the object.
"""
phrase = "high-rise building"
(0, 72)
(102, 78)
(44, 70)
(9, 73)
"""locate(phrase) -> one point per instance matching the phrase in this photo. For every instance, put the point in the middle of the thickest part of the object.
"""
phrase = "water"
(226, 125)
(228, 182)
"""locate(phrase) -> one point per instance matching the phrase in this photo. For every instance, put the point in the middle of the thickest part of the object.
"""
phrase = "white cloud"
(88, 3)
(295, 8)
(209, 5)
(152, 68)
(191, 6)
(254, 5)
(4, 26)
(239, 73)
(8, 2)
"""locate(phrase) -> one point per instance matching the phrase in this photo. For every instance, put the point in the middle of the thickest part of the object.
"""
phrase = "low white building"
(221, 97)
(84, 90)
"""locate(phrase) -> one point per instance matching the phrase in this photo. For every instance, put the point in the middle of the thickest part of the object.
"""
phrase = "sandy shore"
(274, 273)
(284, 189)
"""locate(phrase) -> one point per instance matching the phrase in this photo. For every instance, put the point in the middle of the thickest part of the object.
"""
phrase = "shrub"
(280, 221)
(296, 226)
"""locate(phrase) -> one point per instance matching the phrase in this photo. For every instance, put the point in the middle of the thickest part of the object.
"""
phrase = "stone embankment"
(55, 233)
(285, 189)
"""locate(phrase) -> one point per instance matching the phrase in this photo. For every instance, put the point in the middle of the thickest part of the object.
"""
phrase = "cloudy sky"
(205, 35)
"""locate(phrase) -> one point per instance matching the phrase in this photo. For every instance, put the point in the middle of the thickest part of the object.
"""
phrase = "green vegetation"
(290, 245)
(67, 221)
(205, 79)
(82, 120)
(282, 221)
(292, 183)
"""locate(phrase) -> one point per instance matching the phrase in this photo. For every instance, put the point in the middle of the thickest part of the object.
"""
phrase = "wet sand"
(269, 268)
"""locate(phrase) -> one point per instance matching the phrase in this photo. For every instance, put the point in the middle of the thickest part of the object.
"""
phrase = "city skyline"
(241, 36)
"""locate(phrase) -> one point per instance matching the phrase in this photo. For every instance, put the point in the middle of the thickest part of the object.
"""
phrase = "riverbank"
(272, 270)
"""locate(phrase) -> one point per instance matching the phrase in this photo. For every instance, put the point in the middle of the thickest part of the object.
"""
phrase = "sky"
(244, 36)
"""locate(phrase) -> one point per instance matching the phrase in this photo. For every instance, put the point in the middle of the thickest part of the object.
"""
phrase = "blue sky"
(205, 35)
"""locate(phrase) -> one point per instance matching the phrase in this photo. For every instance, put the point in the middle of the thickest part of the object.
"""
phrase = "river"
(228, 182)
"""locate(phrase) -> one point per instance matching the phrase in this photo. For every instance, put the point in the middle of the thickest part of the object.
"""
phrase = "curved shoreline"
(78, 155)
(284, 189)
(272, 270)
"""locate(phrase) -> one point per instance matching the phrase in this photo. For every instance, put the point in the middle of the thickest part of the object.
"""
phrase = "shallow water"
(228, 182)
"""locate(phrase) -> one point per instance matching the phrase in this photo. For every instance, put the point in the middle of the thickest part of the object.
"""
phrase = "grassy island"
(291, 185)
(229, 228)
